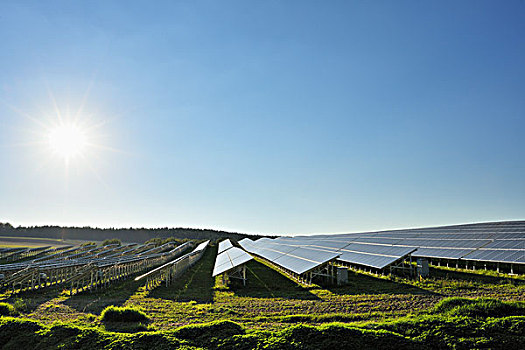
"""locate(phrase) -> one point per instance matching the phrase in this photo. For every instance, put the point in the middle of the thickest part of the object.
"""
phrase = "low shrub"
(429, 331)
(18, 333)
(513, 324)
(20, 305)
(7, 310)
(481, 307)
(341, 336)
(438, 331)
(111, 241)
(123, 314)
(447, 304)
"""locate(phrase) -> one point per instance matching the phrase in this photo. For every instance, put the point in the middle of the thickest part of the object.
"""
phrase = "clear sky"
(285, 117)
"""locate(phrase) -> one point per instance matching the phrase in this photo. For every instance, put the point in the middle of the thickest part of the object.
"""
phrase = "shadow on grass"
(30, 300)
(359, 283)
(443, 273)
(194, 284)
(97, 300)
(126, 327)
(265, 282)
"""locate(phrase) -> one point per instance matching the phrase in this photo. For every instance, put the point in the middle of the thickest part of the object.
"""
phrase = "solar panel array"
(502, 242)
(106, 263)
(14, 254)
(229, 258)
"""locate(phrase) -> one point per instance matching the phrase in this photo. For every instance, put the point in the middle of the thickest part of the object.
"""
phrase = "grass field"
(270, 302)
(17, 242)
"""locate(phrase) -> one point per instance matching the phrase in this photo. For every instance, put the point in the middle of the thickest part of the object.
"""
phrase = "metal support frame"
(238, 273)
(402, 265)
(326, 270)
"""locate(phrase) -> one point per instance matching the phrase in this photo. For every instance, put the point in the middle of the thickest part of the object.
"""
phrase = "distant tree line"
(138, 235)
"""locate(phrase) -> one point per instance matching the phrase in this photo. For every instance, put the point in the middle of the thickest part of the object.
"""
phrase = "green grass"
(462, 323)
(269, 299)
(437, 331)
(482, 307)
(32, 242)
(123, 314)
(265, 311)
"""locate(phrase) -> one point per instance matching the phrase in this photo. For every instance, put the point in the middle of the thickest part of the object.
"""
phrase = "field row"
(268, 300)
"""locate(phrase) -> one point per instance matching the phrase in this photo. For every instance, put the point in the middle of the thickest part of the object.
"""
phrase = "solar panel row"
(117, 255)
(294, 258)
(371, 255)
(479, 242)
(500, 256)
(188, 256)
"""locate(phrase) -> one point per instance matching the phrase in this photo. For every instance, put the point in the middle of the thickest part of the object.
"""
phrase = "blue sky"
(285, 117)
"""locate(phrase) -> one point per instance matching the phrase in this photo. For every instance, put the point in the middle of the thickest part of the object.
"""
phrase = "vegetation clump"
(157, 241)
(342, 336)
(481, 307)
(123, 314)
(438, 331)
(462, 323)
(7, 310)
(23, 333)
(111, 241)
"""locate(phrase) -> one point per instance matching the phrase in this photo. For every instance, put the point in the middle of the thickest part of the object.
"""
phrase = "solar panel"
(245, 241)
(303, 260)
(497, 255)
(506, 244)
(441, 253)
(329, 244)
(271, 254)
(224, 245)
(312, 254)
(373, 256)
(374, 261)
(378, 240)
(230, 259)
(296, 264)
(201, 246)
(292, 255)
(378, 249)
(444, 243)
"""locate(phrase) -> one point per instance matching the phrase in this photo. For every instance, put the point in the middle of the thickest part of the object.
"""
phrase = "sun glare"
(67, 140)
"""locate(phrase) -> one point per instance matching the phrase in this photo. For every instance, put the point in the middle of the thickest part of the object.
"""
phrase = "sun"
(67, 140)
